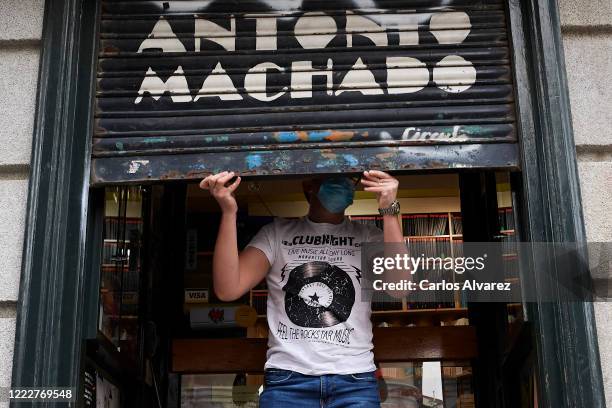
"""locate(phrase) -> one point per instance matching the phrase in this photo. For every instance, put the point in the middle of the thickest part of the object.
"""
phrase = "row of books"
(437, 223)
(415, 225)
(425, 224)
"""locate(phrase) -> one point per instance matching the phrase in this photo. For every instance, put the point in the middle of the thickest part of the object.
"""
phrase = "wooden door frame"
(54, 314)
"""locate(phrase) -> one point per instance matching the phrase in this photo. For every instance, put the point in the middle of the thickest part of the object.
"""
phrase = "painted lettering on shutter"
(300, 87)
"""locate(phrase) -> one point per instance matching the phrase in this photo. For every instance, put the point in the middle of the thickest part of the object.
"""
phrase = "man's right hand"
(216, 184)
(234, 272)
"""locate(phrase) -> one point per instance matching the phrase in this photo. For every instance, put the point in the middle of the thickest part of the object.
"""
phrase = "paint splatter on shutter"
(186, 88)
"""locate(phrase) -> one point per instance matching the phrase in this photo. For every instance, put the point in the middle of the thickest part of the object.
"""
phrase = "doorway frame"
(55, 305)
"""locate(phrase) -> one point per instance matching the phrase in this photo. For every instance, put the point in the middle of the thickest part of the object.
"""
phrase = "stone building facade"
(587, 36)
(20, 37)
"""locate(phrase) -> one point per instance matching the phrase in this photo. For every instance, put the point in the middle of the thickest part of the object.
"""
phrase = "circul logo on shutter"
(300, 66)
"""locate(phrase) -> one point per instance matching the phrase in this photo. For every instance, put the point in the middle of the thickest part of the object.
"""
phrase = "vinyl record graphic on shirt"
(318, 294)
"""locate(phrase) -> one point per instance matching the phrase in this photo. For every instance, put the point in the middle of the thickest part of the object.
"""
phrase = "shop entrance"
(274, 91)
(516, 51)
(165, 340)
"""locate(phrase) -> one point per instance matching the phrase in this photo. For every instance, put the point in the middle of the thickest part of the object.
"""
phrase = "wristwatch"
(393, 209)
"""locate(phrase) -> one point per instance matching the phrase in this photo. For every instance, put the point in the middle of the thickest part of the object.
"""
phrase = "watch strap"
(393, 209)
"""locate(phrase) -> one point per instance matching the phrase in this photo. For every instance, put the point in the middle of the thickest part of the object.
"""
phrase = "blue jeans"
(284, 388)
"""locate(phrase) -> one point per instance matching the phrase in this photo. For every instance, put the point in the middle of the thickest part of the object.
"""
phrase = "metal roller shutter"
(186, 88)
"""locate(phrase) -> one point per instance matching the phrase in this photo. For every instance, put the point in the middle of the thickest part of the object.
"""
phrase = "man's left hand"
(381, 183)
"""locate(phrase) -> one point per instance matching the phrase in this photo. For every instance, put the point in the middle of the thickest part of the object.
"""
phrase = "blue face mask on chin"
(336, 193)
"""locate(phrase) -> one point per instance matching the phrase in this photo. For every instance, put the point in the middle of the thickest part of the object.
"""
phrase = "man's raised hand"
(383, 184)
(224, 194)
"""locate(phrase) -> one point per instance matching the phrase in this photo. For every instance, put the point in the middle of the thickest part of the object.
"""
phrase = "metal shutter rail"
(186, 88)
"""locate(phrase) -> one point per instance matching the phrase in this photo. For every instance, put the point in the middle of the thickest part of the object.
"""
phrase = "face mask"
(336, 193)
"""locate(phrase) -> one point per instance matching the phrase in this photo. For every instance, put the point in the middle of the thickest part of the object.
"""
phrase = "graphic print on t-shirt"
(318, 294)
(318, 286)
(318, 321)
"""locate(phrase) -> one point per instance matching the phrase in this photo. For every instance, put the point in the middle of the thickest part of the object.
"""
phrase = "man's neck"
(328, 218)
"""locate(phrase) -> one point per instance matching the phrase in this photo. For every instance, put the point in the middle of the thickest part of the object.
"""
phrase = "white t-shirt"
(318, 321)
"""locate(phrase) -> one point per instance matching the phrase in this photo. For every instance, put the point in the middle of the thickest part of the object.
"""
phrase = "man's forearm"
(226, 272)
(392, 231)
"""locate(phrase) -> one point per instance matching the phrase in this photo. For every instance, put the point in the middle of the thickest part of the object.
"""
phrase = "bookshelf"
(120, 272)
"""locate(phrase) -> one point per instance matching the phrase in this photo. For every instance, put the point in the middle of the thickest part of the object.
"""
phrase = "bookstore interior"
(165, 340)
